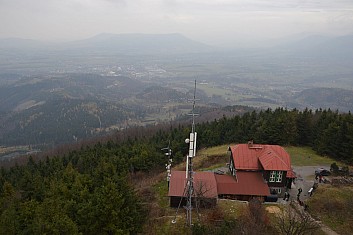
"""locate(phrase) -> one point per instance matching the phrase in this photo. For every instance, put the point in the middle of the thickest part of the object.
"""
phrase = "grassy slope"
(300, 156)
(305, 156)
(328, 203)
(333, 206)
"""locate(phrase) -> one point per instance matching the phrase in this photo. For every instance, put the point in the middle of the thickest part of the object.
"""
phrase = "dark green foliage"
(304, 127)
(334, 168)
(345, 170)
(85, 192)
(63, 120)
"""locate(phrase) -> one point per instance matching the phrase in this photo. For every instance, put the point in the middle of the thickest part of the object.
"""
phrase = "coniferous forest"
(88, 189)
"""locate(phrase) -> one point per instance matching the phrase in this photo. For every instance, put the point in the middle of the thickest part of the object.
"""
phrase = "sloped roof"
(204, 182)
(244, 158)
(271, 160)
(258, 157)
(247, 183)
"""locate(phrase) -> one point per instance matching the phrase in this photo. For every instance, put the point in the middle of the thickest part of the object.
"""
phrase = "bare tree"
(200, 191)
(292, 221)
(254, 219)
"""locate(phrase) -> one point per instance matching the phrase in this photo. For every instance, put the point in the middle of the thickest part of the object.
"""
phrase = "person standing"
(285, 196)
(300, 190)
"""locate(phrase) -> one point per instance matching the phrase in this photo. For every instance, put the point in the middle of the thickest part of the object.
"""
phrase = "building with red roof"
(256, 171)
(271, 161)
(208, 187)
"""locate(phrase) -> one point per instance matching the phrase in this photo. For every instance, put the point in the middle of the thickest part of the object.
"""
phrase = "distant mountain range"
(142, 44)
(117, 43)
(25, 53)
(319, 46)
(135, 44)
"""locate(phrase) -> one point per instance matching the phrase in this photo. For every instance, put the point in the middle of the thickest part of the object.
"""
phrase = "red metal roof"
(246, 183)
(244, 158)
(291, 174)
(204, 182)
(258, 157)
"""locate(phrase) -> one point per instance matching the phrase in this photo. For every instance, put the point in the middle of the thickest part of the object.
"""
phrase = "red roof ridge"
(255, 157)
(276, 155)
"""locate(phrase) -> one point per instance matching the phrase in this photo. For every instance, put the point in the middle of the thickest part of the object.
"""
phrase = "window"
(272, 176)
(231, 167)
(276, 190)
(276, 176)
(279, 176)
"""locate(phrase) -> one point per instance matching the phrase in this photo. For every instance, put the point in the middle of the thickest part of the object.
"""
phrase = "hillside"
(49, 110)
(58, 121)
(40, 110)
(95, 187)
(333, 98)
(330, 204)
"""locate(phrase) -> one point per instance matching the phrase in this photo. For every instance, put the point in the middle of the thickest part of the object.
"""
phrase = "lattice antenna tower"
(189, 191)
(189, 170)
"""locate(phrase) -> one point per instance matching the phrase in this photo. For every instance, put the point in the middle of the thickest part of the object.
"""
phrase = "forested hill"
(88, 190)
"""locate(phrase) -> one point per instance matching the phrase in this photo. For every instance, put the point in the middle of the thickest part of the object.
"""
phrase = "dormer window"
(276, 176)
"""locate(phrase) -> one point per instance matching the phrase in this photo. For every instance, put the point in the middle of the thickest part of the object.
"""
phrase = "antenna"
(189, 187)
(192, 140)
(170, 160)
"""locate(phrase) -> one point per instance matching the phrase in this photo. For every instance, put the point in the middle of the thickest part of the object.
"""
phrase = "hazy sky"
(209, 21)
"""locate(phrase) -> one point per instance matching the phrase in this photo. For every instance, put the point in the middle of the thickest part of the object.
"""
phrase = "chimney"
(250, 143)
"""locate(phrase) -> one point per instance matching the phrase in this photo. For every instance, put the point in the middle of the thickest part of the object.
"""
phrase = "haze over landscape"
(243, 23)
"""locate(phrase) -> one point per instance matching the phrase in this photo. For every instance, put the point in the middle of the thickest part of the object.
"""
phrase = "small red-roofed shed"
(205, 187)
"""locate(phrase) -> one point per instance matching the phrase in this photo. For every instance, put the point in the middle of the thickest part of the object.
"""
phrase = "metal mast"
(189, 186)
(189, 171)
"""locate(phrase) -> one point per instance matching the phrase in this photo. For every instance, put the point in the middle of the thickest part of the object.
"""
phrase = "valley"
(51, 94)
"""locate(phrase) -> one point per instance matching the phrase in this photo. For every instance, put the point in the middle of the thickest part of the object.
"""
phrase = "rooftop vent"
(252, 146)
